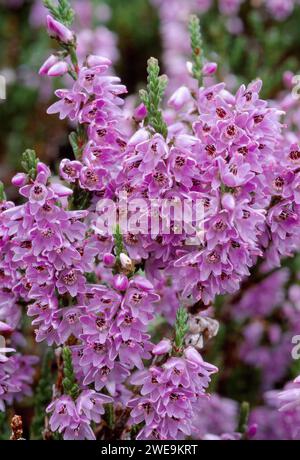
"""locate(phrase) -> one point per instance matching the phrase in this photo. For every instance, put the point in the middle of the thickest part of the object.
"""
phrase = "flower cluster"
(73, 418)
(101, 298)
(168, 395)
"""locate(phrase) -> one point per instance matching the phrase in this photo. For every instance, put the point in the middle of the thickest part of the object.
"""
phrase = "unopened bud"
(59, 31)
(19, 180)
(126, 262)
(59, 69)
(109, 259)
(120, 282)
(163, 347)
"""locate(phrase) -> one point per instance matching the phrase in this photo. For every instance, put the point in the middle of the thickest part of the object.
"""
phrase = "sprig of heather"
(197, 49)
(62, 12)
(243, 418)
(70, 384)
(29, 163)
(181, 328)
(2, 192)
(152, 97)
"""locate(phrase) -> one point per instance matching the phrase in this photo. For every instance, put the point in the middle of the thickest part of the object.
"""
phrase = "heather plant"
(163, 244)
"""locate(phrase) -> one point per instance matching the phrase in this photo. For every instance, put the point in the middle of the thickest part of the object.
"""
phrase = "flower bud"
(228, 202)
(120, 282)
(140, 112)
(61, 190)
(126, 262)
(164, 346)
(5, 327)
(288, 79)
(42, 168)
(48, 64)
(209, 68)
(59, 31)
(94, 61)
(178, 99)
(109, 259)
(140, 136)
(252, 430)
(19, 180)
(58, 69)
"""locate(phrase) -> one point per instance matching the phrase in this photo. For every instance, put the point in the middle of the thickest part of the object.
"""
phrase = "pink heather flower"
(209, 68)
(180, 98)
(120, 282)
(140, 113)
(71, 281)
(69, 104)
(109, 259)
(79, 431)
(164, 346)
(3, 351)
(280, 9)
(5, 328)
(64, 414)
(95, 61)
(19, 179)
(168, 395)
(90, 404)
(289, 398)
(70, 170)
(50, 62)
(59, 31)
(58, 70)
(126, 262)
(92, 178)
(152, 152)
(37, 193)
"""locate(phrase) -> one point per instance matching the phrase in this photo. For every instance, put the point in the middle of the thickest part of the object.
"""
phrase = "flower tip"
(163, 347)
(209, 68)
(59, 69)
(19, 180)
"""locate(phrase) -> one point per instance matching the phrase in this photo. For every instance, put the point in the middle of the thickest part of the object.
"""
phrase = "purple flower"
(71, 281)
(90, 404)
(59, 31)
(64, 413)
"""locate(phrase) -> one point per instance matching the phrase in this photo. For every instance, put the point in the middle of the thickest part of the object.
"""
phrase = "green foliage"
(43, 395)
(181, 327)
(70, 385)
(110, 415)
(244, 417)
(152, 97)
(4, 429)
(62, 12)
(29, 162)
(2, 192)
(118, 240)
(197, 48)
(265, 48)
